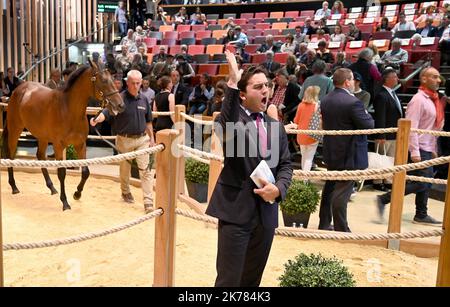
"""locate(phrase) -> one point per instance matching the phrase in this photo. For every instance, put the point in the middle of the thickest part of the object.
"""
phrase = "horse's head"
(105, 91)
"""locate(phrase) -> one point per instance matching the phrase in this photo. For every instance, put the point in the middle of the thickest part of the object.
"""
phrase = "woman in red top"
(305, 111)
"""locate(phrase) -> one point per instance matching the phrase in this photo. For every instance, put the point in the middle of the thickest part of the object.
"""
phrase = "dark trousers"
(242, 253)
(335, 196)
(421, 189)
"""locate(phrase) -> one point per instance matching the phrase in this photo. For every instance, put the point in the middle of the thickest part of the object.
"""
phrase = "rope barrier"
(199, 153)
(431, 132)
(80, 163)
(196, 120)
(197, 158)
(83, 237)
(342, 132)
(307, 234)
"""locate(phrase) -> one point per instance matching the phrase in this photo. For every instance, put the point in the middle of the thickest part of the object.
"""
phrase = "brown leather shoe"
(128, 198)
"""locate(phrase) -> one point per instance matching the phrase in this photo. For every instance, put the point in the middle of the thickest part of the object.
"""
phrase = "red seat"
(251, 48)
(366, 28)
(291, 14)
(281, 57)
(271, 32)
(382, 35)
(335, 46)
(187, 34)
(254, 21)
(408, 6)
(210, 69)
(258, 58)
(155, 49)
(183, 28)
(174, 50)
(202, 34)
(262, 15)
(262, 26)
(171, 35)
(254, 32)
(247, 27)
(246, 16)
(168, 41)
(197, 28)
(352, 50)
(308, 13)
(428, 44)
(150, 41)
(240, 21)
(196, 49)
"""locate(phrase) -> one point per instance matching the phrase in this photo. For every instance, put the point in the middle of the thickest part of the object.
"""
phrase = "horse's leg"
(81, 152)
(12, 140)
(42, 148)
(61, 175)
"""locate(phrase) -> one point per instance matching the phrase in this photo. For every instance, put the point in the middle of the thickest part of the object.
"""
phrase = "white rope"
(196, 120)
(197, 158)
(342, 132)
(85, 162)
(199, 153)
(431, 132)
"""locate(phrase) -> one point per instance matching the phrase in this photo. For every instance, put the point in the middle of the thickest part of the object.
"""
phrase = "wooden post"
(399, 181)
(2, 284)
(180, 125)
(443, 274)
(166, 199)
(215, 167)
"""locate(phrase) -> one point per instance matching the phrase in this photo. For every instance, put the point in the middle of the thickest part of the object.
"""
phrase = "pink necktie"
(262, 135)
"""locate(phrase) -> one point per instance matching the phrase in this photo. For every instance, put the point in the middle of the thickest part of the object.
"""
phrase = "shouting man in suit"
(247, 215)
(341, 110)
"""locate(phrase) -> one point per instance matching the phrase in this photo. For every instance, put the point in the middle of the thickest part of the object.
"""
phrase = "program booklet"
(262, 171)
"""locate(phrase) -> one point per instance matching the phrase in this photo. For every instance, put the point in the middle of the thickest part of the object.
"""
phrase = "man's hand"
(269, 192)
(93, 122)
(381, 141)
(235, 73)
(151, 143)
(416, 159)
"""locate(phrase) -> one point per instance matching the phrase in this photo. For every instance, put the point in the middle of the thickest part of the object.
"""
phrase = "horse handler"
(134, 131)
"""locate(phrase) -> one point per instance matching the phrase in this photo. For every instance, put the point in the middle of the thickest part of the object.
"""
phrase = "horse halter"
(105, 101)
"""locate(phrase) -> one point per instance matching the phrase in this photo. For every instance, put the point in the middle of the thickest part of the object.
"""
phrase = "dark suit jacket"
(233, 199)
(342, 111)
(182, 94)
(273, 68)
(433, 32)
(291, 101)
(387, 113)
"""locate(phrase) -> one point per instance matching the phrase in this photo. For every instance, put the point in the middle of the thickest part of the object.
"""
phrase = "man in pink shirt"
(426, 111)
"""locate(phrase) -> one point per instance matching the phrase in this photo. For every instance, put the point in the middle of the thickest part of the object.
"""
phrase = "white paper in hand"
(262, 171)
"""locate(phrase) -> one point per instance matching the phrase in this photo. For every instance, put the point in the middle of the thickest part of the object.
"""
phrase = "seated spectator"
(162, 16)
(376, 59)
(428, 13)
(184, 52)
(305, 64)
(281, 82)
(307, 28)
(230, 24)
(320, 35)
(198, 19)
(338, 8)
(194, 16)
(55, 79)
(268, 45)
(139, 33)
(291, 65)
(340, 62)
(200, 95)
(301, 53)
(129, 39)
(185, 69)
(338, 36)
(323, 53)
(270, 65)
(169, 65)
(161, 56)
(289, 45)
(354, 34)
(123, 60)
(403, 25)
(428, 30)
(229, 37)
(204, 20)
(445, 22)
(323, 12)
(318, 79)
(444, 44)
(110, 63)
(323, 26)
(415, 40)
(243, 56)
(241, 39)
(215, 104)
(384, 25)
(139, 42)
(396, 56)
(181, 17)
(299, 37)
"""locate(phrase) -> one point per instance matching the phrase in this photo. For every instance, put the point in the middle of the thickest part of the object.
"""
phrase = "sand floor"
(126, 258)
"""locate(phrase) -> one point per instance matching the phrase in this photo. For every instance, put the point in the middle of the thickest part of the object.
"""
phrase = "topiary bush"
(300, 197)
(316, 271)
(196, 172)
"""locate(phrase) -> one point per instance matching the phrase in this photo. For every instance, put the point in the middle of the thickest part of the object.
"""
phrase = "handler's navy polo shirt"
(134, 119)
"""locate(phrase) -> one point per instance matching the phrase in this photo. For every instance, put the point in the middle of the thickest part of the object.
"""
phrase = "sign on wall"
(107, 6)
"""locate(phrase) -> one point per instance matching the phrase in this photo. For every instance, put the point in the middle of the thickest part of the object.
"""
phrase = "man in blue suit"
(341, 110)
(247, 215)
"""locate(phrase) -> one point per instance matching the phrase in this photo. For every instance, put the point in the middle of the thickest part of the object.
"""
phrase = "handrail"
(62, 49)
(414, 73)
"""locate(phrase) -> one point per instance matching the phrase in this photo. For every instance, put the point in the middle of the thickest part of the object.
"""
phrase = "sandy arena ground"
(126, 258)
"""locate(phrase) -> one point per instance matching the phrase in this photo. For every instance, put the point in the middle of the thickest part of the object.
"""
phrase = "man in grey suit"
(341, 110)
(247, 215)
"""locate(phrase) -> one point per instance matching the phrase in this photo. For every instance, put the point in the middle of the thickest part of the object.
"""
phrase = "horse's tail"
(5, 147)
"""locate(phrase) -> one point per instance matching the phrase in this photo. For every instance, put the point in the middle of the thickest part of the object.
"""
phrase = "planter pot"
(198, 191)
(299, 218)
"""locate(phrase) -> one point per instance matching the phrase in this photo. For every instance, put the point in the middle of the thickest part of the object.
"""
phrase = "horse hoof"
(66, 207)
(15, 191)
(77, 195)
(54, 191)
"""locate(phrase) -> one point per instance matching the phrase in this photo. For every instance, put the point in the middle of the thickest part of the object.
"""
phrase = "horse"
(58, 116)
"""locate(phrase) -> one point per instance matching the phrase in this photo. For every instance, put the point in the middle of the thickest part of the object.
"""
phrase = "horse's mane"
(74, 77)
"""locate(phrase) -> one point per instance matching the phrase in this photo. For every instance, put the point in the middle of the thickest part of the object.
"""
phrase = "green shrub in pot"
(196, 172)
(300, 197)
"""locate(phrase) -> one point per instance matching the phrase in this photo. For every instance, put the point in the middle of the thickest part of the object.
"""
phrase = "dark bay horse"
(59, 117)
